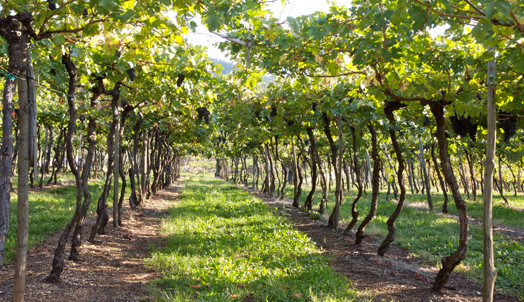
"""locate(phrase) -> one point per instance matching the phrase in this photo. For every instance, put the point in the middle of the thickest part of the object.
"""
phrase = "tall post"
(33, 153)
(116, 167)
(295, 174)
(490, 273)
(26, 95)
(145, 164)
(425, 174)
(338, 176)
(255, 168)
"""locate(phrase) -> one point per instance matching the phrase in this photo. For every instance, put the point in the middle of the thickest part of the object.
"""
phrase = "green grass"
(433, 236)
(226, 245)
(50, 210)
(511, 215)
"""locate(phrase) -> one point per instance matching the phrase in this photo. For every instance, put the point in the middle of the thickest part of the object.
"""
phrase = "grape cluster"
(391, 106)
(52, 5)
(273, 112)
(288, 119)
(508, 123)
(463, 126)
(257, 114)
(221, 141)
(427, 121)
(203, 113)
(131, 74)
(180, 79)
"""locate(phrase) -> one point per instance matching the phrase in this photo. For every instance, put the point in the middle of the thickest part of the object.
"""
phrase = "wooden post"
(116, 166)
(338, 175)
(26, 95)
(425, 174)
(490, 273)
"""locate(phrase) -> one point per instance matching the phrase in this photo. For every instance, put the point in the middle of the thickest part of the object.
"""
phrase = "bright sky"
(292, 8)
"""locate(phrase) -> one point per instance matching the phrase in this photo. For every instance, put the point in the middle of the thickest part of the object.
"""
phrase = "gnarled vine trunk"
(500, 183)
(86, 171)
(135, 199)
(390, 237)
(76, 241)
(313, 146)
(449, 262)
(57, 158)
(425, 175)
(296, 168)
(333, 218)
(101, 210)
(11, 31)
(472, 175)
(358, 176)
(374, 186)
(58, 259)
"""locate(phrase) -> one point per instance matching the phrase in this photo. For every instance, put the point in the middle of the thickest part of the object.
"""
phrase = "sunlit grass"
(50, 210)
(433, 236)
(226, 245)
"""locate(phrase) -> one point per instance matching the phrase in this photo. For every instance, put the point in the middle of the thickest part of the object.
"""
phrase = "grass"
(226, 245)
(49, 211)
(502, 214)
(433, 236)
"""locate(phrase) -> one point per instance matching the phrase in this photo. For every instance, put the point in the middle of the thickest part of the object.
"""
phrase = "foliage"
(345, 62)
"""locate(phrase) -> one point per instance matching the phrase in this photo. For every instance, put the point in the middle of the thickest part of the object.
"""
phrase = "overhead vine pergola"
(359, 95)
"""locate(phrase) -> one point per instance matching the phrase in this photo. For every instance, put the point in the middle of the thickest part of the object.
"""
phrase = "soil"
(112, 269)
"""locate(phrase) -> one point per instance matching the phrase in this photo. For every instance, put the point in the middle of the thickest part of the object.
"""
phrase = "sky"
(292, 8)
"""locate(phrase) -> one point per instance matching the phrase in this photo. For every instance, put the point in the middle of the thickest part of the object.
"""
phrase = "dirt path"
(110, 270)
(396, 277)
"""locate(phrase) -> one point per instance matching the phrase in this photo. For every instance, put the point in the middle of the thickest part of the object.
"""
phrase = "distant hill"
(228, 67)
